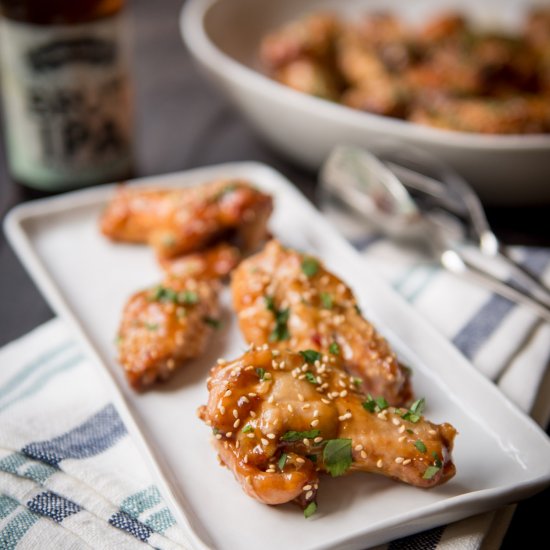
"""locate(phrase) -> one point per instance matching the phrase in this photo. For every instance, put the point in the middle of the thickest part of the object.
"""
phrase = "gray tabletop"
(182, 122)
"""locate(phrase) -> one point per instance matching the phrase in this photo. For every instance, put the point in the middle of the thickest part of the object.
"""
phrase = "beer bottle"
(66, 92)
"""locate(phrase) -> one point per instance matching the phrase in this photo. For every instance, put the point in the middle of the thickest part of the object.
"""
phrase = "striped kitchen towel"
(70, 476)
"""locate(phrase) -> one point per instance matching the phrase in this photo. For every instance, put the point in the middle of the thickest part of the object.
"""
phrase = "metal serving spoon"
(453, 193)
(370, 189)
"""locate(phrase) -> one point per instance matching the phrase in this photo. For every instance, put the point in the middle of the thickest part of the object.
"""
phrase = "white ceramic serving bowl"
(224, 35)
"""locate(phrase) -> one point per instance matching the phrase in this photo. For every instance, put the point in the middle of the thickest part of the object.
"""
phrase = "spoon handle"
(455, 262)
(525, 277)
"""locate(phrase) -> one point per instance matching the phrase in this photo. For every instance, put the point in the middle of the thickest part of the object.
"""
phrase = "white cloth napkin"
(70, 476)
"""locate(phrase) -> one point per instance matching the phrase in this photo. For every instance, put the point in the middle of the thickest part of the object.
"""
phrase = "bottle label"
(67, 102)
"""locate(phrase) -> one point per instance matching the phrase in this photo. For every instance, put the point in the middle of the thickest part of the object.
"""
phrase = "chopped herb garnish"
(282, 461)
(357, 382)
(369, 404)
(269, 304)
(310, 266)
(437, 460)
(187, 297)
(430, 472)
(326, 300)
(215, 431)
(260, 372)
(337, 456)
(382, 403)
(310, 377)
(420, 446)
(247, 429)
(280, 331)
(210, 321)
(334, 348)
(358, 309)
(310, 509)
(409, 431)
(292, 436)
(414, 413)
(310, 356)
(151, 326)
(313, 458)
(375, 405)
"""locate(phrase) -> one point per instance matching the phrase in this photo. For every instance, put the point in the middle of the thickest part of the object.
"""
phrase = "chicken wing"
(282, 418)
(291, 301)
(164, 326)
(181, 221)
(213, 263)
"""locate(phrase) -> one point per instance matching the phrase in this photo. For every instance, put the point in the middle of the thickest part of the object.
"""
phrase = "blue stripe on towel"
(53, 506)
(7, 505)
(29, 368)
(92, 437)
(16, 528)
(491, 314)
(137, 503)
(127, 523)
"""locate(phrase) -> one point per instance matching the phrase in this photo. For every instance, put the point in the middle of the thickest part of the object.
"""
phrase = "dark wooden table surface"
(183, 123)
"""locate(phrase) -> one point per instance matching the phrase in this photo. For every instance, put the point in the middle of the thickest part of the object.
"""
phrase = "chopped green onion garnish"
(260, 372)
(334, 348)
(310, 266)
(210, 321)
(247, 429)
(382, 403)
(430, 472)
(310, 377)
(282, 461)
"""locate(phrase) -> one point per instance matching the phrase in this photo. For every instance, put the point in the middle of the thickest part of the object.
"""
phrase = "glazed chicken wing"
(181, 221)
(282, 418)
(212, 263)
(164, 326)
(291, 301)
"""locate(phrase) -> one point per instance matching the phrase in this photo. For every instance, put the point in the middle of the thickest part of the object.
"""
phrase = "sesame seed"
(401, 429)
(358, 447)
(300, 460)
(271, 436)
(306, 442)
(306, 488)
(290, 408)
(342, 383)
(309, 494)
(235, 413)
(395, 422)
(318, 439)
(265, 347)
(221, 361)
(306, 406)
(245, 399)
(252, 394)
(236, 423)
(264, 441)
(282, 365)
(227, 393)
(379, 464)
(406, 461)
(275, 352)
(245, 460)
(228, 434)
(270, 400)
(218, 436)
(343, 393)
(252, 414)
(363, 454)
(301, 377)
(344, 416)
(432, 432)
(402, 438)
(325, 401)
(250, 436)
(300, 397)
(314, 423)
(222, 409)
(399, 459)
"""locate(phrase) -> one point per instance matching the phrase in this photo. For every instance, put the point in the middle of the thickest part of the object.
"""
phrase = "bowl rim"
(199, 43)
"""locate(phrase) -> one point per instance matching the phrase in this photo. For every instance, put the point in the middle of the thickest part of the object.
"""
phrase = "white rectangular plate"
(501, 455)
